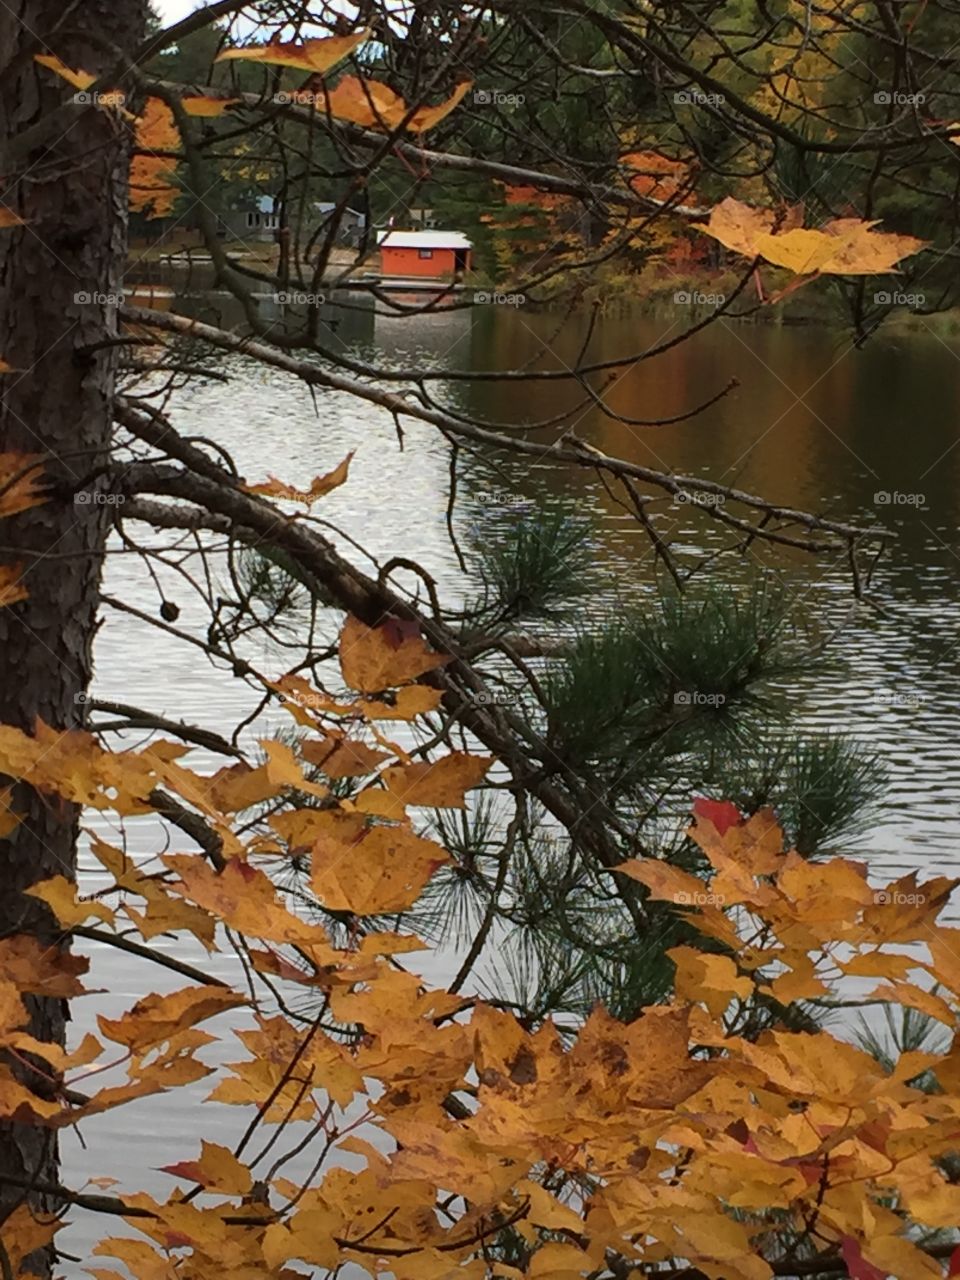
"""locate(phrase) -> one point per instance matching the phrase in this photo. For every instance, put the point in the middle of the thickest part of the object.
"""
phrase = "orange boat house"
(428, 255)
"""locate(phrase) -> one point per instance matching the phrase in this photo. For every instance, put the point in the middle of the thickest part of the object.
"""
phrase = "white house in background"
(255, 219)
(352, 222)
(431, 255)
(258, 219)
(424, 219)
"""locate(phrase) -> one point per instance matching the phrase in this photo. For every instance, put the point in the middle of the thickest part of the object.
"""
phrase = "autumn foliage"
(678, 1137)
(446, 1135)
(840, 247)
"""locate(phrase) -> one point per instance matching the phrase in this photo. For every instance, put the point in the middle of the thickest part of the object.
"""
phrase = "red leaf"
(184, 1169)
(177, 1240)
(738, 1130)
(857, 1265)
(811, 1173)
(398, 630)
(722, 813)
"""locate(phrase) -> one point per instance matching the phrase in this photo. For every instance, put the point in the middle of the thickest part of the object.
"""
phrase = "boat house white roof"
(423, 240)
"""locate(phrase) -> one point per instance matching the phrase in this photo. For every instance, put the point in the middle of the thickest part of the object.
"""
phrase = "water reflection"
(812, 424)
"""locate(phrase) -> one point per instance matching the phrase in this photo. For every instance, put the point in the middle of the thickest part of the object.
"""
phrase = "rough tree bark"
(60, 279)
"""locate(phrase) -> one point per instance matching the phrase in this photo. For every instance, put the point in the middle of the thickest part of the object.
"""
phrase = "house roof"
(424, 240)
(327, 206)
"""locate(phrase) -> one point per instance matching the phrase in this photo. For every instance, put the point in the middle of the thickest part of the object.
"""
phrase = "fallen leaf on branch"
(319, 487)
(312, 55)
(374, 105)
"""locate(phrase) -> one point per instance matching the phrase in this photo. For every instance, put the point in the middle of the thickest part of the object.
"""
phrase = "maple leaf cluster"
(676, 1136)
(681, 1136)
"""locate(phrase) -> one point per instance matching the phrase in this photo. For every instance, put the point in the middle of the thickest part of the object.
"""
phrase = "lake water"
(813, 424)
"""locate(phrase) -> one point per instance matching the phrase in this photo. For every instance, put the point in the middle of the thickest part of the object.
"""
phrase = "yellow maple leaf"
(708, 979)
(374, 105)
(912, 997)
(283, 769)
(241, 897)
(441, 784)
(428, 117)
(382, 869)
(156, 1018)
(39, 969)
(373, 659)
(342, 757)
(60, 895)
(845, 246)
(666, 882)
(24, 1232)
(240, 786)
(383, 804)
(320, 54)
(216, 1169)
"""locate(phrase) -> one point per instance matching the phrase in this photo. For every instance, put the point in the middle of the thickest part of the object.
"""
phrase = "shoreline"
(650, 290)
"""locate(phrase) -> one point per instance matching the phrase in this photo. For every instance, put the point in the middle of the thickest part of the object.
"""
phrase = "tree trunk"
(61, 277)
